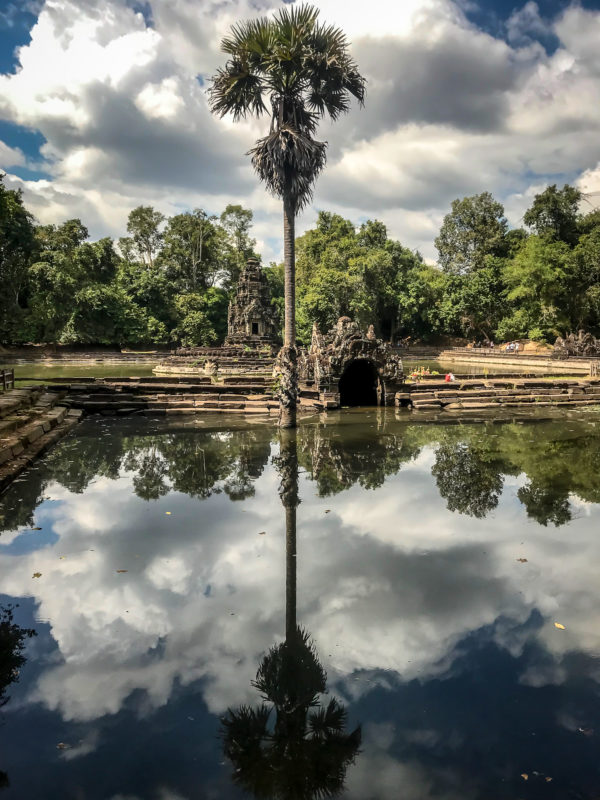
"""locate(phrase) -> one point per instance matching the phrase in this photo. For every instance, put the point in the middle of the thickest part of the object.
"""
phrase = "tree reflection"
(292, 746)
(467, 478)
(12, 644)
(561, 461)
(545, 504)
(337, 458)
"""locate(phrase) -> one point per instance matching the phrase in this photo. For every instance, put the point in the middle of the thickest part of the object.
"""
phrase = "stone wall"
(497, 393)
(322, 367)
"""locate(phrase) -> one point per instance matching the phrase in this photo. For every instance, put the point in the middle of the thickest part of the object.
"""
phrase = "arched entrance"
(358, 384)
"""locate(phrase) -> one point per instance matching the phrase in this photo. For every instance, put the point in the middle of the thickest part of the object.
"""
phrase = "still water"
(368, 608)
(39, 371)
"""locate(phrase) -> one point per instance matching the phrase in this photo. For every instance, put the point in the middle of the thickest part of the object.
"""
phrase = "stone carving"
(331, 357)
(251, 319)
(577, 344)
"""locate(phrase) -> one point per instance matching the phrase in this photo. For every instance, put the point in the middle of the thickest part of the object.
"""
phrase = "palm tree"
(297, 70)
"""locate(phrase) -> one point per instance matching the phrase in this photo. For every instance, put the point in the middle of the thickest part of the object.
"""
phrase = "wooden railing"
(7, 379)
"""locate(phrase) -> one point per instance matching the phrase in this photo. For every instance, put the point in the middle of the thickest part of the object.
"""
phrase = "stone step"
(10, 469)
(242, 381)
(16, 399)
(31, 429)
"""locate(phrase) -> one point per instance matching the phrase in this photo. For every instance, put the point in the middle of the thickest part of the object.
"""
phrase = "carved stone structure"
(577, 344)
(349, 367)
(252, 320)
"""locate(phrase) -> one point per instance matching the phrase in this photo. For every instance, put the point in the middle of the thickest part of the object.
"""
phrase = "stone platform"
(31, 420)
(199, 361)
(492, 394)
(525, 362)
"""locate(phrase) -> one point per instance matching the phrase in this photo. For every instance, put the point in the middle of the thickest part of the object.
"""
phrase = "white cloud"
(10, 156)
(450, 111)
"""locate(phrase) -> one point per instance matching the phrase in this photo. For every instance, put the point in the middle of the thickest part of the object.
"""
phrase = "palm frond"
(328, 720)
(291, 675)
(251, 38)
(288, 161)
(236, 90)
(244, 729)
(303, 70)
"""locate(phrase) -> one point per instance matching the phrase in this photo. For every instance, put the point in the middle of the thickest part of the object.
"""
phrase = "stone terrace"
(31, 420)
(469, 395)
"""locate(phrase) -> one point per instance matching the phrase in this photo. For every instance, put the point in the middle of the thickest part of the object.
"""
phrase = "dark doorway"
(358, 384)
(255, 329)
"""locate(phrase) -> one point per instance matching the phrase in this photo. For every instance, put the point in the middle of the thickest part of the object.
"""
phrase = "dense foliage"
(167, 281)
(491, 282)
(170, 280)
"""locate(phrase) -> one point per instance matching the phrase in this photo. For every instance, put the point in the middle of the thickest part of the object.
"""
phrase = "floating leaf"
(525, 776)
(62, 746)
(522, 560)
(328, 511)
(35, 529)
(37, 575)
(122, 570)
(548, 780)
(167, 513)
(261, 533)
(559, 626)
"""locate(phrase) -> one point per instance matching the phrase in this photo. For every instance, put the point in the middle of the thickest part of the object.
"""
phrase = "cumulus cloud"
(450, 111)
(10, 156)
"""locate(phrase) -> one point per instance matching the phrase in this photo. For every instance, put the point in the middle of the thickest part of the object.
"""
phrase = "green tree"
(143, 224)
(474, 229)
(298, 71)
(17, 246)
(186, 251)
(61, 270)
(194, 327)
(236, 221)
(538, 280)
(343, 271)
(584, 297)
(554, 213)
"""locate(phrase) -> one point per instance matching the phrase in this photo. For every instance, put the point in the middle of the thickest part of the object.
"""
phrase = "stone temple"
(252, 320)
(347, 367)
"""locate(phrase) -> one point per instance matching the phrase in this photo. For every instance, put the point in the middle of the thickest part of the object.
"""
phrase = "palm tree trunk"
(288, 357)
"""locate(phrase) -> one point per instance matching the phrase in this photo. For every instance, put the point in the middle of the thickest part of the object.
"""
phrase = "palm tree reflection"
(292, 746)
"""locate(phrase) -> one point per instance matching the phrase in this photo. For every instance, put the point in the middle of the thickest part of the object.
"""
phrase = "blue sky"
(102, 110)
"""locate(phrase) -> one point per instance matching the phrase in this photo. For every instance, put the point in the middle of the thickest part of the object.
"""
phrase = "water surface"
(429, 564)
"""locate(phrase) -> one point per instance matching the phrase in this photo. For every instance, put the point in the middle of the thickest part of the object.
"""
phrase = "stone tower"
(252, 320)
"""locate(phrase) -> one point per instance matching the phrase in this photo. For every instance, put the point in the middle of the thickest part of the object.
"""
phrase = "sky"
(103, 107)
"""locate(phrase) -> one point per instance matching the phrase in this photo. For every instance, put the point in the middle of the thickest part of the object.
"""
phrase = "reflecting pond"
(40, 371)
(368, 608)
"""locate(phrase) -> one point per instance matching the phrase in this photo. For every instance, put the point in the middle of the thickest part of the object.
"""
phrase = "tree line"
(169, 280)
(539, 281)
